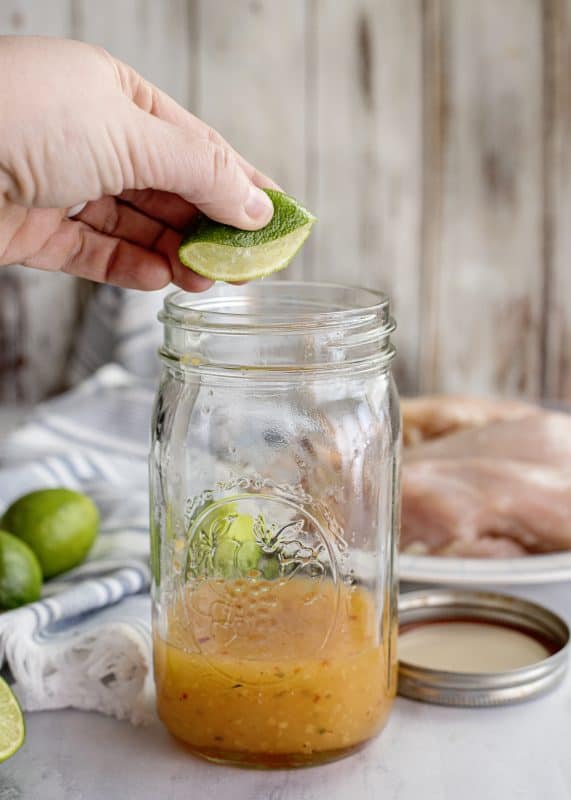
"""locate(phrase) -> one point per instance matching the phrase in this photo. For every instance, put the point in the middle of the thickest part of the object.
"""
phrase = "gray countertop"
(427, 752)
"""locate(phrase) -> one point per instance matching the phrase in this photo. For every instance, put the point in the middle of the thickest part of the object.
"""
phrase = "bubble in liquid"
(274, 437)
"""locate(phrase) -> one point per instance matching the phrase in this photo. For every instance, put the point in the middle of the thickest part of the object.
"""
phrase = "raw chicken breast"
(542, 438)
(485, 507)
(438, 415)
(497, 485)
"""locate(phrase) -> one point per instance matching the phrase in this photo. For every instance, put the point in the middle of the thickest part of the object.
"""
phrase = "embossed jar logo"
(259, 567)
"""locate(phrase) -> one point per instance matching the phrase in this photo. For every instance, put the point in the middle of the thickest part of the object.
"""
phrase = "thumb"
(205, 173)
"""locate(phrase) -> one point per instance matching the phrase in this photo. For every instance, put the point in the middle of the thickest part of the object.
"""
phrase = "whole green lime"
(59, 525)
(20, 573)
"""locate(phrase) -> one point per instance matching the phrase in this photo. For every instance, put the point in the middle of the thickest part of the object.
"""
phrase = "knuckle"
(107, 59)
(102, 52)
(77, 253)
(112, 261)
(213, 136)
(143, 94)
(222, 165)
(111, 219)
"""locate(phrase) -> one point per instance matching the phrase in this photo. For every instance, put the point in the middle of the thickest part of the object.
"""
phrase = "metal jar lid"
(483, 688)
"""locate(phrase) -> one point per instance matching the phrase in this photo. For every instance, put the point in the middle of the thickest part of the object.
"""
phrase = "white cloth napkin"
(87, 643)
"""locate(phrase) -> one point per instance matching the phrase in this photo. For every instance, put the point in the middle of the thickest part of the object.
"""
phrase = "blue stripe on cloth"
(74, 605)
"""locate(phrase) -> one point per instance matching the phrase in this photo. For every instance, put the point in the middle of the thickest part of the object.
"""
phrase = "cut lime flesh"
(12, 728)
(222, 263)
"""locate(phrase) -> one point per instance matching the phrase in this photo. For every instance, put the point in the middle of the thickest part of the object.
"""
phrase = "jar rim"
(276, 305)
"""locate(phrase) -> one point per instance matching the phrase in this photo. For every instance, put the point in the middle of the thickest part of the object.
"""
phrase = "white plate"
(471, 571)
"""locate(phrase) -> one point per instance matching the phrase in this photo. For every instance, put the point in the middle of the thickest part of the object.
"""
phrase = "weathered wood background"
(431, 137)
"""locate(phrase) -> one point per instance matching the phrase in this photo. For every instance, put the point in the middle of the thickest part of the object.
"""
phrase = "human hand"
(78, 125)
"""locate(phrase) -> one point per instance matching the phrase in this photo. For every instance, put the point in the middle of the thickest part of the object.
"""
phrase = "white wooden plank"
(326, 97)
(33, 17)
(34, 341)
(38, 315)
(483, 331)
(366, 152)
(434, 116)
(391, 222)
(155, 38)
(558, 201)
(251, 85)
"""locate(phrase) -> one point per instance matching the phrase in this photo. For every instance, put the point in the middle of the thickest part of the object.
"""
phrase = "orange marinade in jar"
(274, 673)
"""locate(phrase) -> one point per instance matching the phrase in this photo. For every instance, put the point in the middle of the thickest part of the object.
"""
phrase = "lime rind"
(287, 217)
(12, 725)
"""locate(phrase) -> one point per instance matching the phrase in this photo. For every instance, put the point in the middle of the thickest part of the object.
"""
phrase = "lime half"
(223, 253)
(12, 728)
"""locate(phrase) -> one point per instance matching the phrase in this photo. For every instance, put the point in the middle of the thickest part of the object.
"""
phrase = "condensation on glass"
(274, 516)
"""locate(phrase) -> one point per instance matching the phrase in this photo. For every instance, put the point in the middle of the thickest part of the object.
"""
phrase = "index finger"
(165, 207)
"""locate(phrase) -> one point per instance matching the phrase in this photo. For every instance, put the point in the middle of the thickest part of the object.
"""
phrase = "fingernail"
(74, 210)
(259, 206)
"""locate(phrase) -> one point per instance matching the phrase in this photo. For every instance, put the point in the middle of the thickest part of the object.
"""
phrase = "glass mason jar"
(274, 505)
